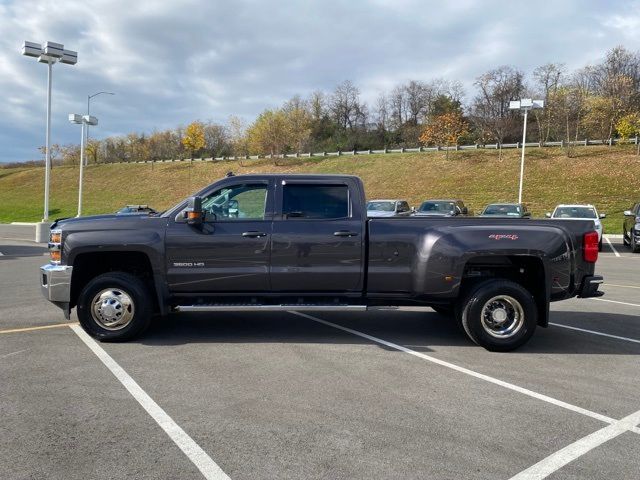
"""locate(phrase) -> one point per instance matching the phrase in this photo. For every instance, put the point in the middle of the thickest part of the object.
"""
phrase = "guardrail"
(494, 146)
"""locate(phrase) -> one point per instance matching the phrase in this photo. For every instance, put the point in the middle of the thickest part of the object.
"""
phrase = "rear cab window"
(315, 201)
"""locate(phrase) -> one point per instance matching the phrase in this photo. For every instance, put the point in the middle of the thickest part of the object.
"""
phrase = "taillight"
(590, 247)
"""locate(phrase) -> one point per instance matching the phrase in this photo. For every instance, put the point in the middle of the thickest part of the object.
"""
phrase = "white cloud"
(174, 61)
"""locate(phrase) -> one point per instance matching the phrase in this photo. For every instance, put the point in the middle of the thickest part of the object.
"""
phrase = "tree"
(299, 121)
(490, 109)
(547, 78)
(92, 151)
(56, 150)
(269, 133)
(193, 139)
(444, 130)
(600, 117)
(345, 106)
(629, 126)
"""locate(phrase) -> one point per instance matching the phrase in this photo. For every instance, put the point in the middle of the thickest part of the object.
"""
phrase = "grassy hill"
(608, 177)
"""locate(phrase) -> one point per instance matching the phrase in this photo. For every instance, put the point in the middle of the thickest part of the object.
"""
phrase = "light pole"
(524, 105)
(51, 53)
(85, 121)
(89, 97)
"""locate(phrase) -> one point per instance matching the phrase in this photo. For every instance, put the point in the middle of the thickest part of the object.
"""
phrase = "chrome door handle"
(253, 234)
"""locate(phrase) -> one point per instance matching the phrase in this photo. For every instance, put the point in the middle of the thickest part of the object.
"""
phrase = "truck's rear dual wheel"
(499, 315)
(115, 306)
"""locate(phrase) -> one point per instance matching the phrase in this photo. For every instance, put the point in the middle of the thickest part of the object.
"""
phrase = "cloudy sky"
(171, 62)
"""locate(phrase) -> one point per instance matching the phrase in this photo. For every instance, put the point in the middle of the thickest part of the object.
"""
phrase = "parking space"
(375, 395)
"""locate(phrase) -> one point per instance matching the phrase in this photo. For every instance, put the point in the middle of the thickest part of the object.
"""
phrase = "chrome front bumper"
(55, 284)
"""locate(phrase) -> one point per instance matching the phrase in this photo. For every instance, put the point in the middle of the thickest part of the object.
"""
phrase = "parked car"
(580, 212)
(304, 243)
(136, 210)
(631, 228)
(442, 208)
(506, 210)
(388, 208)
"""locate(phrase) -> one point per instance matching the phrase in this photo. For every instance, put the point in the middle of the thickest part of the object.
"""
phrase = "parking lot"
(328, 395)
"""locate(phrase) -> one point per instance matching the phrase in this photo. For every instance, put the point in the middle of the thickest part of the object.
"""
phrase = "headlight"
(55, 246)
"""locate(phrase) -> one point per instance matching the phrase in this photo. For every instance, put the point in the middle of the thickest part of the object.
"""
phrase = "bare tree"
(345, 106)
(548, 79)
(490, 109)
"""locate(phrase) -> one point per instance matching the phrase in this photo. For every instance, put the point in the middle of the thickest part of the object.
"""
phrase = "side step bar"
(293, 307)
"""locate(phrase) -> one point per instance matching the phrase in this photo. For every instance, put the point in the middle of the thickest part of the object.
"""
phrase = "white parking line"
(556, 461)
(593, 332)
(612, 247)
(191, 449)
(615, 301)
(620, 286)
(466, 371)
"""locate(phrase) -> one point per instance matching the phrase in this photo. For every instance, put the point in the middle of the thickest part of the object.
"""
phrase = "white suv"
(580, 212)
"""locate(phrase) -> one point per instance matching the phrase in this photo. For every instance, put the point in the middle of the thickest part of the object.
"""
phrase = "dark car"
(136, 210)
(506, 210)
(631, 228)
(388, 208)
(265, 243)
(442, 208)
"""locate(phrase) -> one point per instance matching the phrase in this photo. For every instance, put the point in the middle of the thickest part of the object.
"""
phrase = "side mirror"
(413, 210)
(548, 214)
(526, 215)
(603, 215)
(628, 213)
(194, 211)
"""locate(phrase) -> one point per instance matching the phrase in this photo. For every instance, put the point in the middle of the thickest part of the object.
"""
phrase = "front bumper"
(55, 284)
(590, 286)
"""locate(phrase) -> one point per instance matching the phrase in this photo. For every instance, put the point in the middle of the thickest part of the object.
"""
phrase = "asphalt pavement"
(329, 395)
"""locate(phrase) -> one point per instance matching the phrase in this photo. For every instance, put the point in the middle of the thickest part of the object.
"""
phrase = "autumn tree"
(193, 139)
(269, 133)
(629, 126)
(444, 130)
(299, 121)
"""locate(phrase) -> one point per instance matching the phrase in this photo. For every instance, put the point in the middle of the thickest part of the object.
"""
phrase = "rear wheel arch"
(528, 271)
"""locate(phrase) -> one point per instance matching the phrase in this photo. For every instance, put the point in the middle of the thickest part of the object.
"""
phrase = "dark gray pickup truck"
(304, 242)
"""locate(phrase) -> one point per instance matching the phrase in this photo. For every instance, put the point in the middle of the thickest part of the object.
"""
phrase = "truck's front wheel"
(114, 306)
(499, 315)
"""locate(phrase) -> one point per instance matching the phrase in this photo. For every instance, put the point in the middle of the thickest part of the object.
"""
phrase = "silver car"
(580, 212)
(388, 208)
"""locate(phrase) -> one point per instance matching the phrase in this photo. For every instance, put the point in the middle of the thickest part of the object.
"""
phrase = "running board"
(292, 307)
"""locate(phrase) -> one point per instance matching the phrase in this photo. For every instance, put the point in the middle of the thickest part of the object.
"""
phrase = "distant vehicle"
(388, 208)
(580, 212)
(136, 210)
(631, 228)
(442, 208)
(506, 210)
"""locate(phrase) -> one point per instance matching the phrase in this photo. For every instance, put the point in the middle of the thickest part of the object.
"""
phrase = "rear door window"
(315, 201)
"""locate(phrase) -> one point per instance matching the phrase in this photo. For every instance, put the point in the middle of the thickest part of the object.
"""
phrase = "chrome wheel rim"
(502, 316)
(112, 309)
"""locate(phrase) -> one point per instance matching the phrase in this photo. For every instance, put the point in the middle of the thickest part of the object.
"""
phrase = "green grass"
(608, 177)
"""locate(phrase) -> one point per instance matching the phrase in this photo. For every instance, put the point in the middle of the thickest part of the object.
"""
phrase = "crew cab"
(304, 242)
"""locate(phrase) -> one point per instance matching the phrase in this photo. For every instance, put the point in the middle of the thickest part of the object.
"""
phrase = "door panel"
(230, 251)
(218, 258)
(312, 253)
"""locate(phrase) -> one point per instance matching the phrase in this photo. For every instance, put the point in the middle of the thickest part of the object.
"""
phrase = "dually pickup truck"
(304, 242)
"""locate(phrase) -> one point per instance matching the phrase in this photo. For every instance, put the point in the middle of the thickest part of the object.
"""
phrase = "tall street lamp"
(89, 97)
(85, 121)
(50, 53)
(524, 105)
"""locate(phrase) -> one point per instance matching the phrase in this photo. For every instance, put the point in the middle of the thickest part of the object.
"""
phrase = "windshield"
(510, 210)
(437, 207)
(381, 206)
(575, 212)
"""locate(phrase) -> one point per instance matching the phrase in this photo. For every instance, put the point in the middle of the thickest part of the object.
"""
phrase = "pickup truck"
(283, 242)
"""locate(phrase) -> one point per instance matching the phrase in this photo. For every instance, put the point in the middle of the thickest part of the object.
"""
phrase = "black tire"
(115, 288)
(635, 248)
(515, 301)
(600, 245)
(625, 240)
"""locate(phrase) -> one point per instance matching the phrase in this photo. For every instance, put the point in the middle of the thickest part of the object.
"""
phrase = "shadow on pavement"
(13, 251)
(419, 331)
